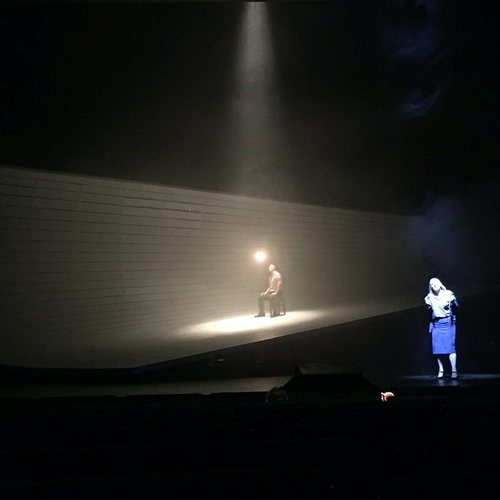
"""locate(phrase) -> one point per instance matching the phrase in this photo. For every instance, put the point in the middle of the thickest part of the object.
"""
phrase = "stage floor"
(174, 342)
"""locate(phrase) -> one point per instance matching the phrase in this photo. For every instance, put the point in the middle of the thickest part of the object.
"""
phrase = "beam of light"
(257, 109)
(260, 256)
(255, 76)
(256, 63)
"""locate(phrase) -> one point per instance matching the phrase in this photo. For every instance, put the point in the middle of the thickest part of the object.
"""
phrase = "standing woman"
(441, 303)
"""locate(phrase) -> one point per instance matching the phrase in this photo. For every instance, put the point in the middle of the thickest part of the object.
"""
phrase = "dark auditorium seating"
(237, 444)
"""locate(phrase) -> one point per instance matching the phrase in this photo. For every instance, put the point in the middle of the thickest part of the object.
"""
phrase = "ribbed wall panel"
(83, 257)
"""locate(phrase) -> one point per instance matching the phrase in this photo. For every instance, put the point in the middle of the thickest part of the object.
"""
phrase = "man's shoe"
(259, 315)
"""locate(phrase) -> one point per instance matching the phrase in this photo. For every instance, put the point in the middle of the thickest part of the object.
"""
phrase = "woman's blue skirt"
(443, 335)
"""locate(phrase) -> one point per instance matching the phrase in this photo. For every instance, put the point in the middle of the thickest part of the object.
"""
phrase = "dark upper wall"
(369, 105)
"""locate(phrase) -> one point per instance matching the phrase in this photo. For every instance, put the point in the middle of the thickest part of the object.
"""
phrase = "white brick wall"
(85, 257)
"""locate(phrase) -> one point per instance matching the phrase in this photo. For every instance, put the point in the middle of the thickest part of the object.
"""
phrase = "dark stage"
(157, 157)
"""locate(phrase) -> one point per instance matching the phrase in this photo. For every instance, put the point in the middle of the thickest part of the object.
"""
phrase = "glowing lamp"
(260, 256)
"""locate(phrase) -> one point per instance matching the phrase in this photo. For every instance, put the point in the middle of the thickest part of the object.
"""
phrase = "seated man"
(273, 292)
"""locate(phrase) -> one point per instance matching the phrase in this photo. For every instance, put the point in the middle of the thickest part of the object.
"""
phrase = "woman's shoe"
(454, 375)
(440, 374)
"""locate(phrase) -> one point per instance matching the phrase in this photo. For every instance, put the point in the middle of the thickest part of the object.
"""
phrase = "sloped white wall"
(96, 258)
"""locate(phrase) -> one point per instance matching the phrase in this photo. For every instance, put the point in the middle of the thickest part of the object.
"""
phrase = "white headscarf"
(438, 301)
(438, 281)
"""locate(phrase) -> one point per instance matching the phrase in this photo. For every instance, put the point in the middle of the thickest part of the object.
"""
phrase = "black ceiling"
(372, 104)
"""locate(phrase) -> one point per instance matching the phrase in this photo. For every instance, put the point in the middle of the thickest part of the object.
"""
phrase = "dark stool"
(279, 305)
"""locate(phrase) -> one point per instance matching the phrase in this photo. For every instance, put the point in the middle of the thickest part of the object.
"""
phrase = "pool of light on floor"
(248, 323)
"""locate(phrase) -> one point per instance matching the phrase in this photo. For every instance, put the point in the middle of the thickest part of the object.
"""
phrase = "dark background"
(388, 106)
(376, 105)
